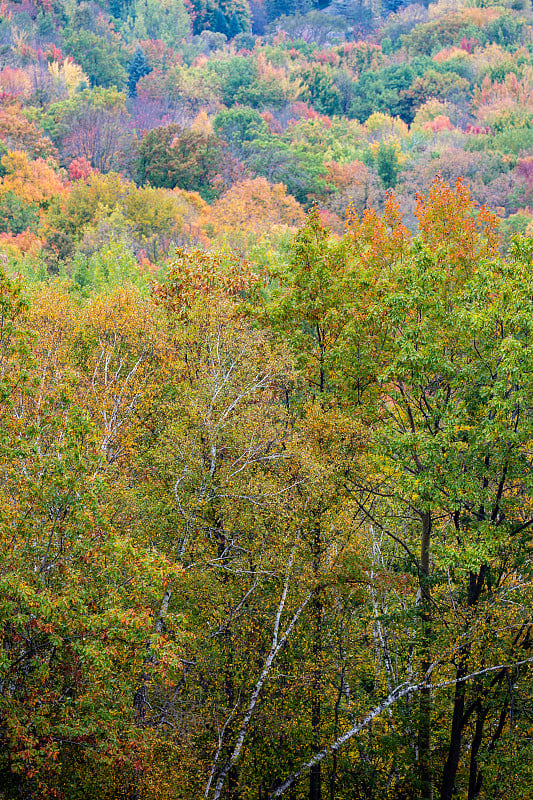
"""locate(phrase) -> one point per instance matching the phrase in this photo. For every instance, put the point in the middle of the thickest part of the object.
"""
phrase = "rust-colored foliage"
(200, 274)
(19, 133)
(251, 210)
(454, 228)
(378, 240)
(32, 181)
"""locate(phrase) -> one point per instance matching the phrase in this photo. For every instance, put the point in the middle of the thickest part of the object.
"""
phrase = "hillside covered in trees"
(145, 124)
(266, 400)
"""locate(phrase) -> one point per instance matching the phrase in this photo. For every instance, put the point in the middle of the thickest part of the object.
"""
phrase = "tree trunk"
(475, 777)
(424, 725)
(458, 722)
(315, 775)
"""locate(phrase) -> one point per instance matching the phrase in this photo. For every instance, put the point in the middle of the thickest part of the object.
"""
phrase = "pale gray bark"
(397, 693)
(277, 644)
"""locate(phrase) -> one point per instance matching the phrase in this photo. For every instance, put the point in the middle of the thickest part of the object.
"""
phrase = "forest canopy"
(268, 526)
(266, 489)
(201, 102)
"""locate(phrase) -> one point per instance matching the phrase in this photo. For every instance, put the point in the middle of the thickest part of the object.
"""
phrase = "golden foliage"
(250, 210)
(32, 181)
(67, 76)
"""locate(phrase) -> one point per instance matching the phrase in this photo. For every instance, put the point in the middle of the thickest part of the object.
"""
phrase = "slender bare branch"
(400, 691)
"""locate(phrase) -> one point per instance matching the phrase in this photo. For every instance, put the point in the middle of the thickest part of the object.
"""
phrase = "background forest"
(132, 127)
(266, 477)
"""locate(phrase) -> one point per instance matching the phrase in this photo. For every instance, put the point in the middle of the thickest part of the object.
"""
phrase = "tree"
(16, 215)
(308, 311)
(217, 466)
(101, 60)
(437, 85)
(170, 157)
(382, 91)
(31, 181)
(387, 164)
(301, 171)
(451, 445)
(67, 77)
(313, 27)
(19, 133)
(87, 199)
(229, 17)
(167, 21)
(94, 124)
(137, 69)
(251, 210)
(354, 187)
(77, 594)
(276, 8)
(238, 127)
(234, 76)
(321, 91)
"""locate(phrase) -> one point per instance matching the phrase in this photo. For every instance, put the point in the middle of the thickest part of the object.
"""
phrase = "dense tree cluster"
(266, 492)
(187, 97)
(266, 529)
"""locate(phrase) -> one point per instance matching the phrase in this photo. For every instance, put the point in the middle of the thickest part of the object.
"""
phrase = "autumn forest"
(266, 400)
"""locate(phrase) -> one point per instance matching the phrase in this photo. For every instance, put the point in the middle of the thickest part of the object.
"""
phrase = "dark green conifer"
(137, 69)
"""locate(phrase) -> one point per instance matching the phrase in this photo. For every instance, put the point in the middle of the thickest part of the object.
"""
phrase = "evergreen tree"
(137, 69)
(229, 17)
(279, 8)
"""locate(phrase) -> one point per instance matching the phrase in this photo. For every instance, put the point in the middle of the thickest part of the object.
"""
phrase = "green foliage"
(321, 90)
(332, 428)
(278, 8)
(166, 20)
(76, 601)
(61, 114)
(387, 164)
(515, 141)
(309, 306)
(384, 90)
(93, 124)
(170, 157)
(449, 30)
(109, 267)
(437, 85)
(317, 27)
(101, 60)
(119, 8)
(229, 17)
(239, 127)
(235, 77)
(88, 199)
(16, 215)
(301, 171)
(506, 30)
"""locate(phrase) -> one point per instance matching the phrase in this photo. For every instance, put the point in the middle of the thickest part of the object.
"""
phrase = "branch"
(219, 748)
(396, 694)
(277, 644)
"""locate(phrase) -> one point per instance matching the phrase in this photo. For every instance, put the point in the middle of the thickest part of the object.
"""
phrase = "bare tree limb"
(400, 691)
(277, 644)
